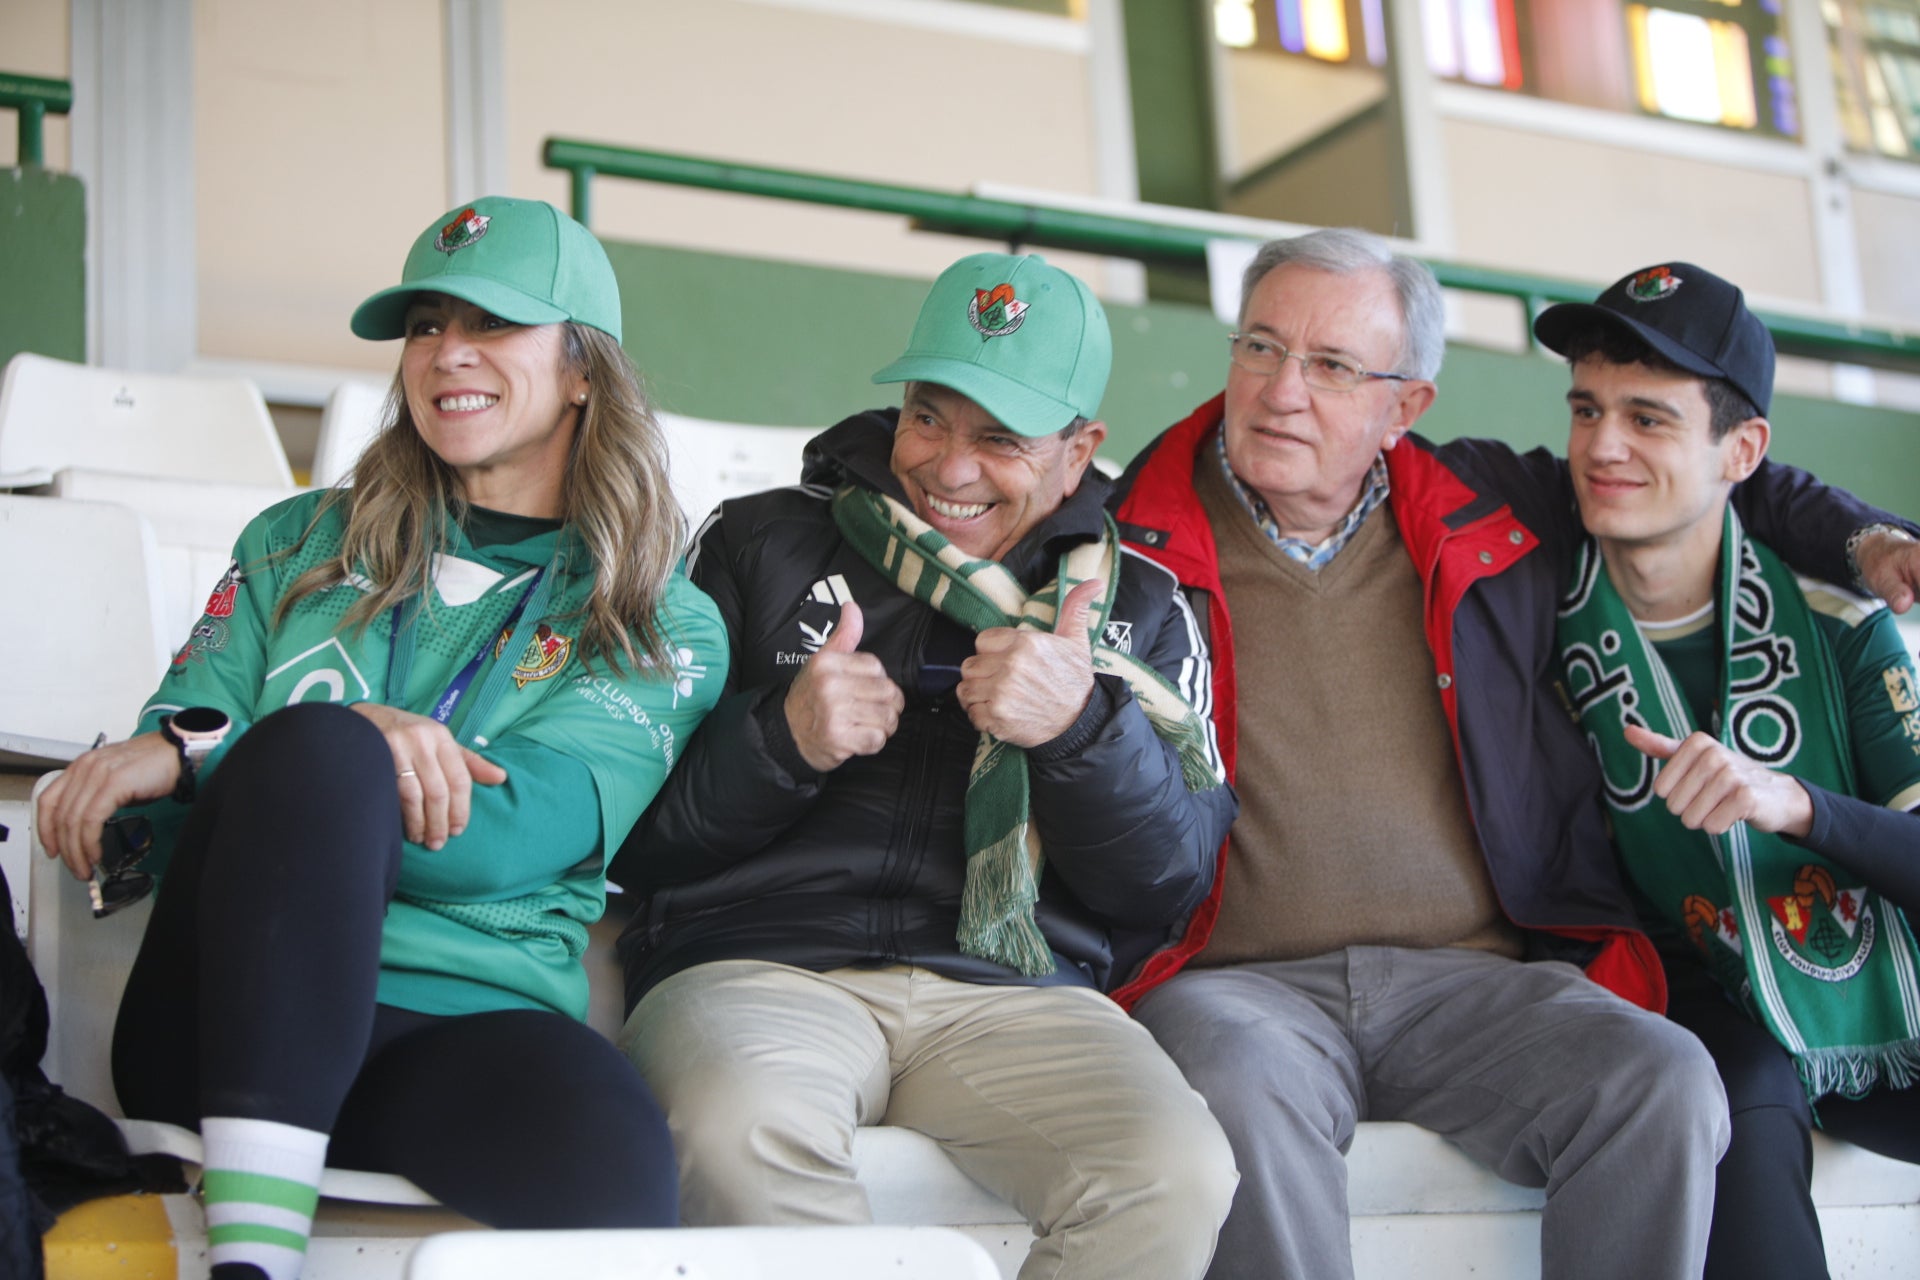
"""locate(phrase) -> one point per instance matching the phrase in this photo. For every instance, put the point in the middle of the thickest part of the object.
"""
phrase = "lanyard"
(400, 660)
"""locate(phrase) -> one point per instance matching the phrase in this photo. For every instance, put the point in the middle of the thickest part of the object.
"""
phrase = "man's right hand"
(843, 704)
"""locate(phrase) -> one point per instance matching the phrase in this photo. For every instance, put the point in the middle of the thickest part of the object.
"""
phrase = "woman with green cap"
(387, 765)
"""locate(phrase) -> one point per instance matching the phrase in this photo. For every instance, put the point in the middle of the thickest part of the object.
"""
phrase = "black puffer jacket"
(747, 853)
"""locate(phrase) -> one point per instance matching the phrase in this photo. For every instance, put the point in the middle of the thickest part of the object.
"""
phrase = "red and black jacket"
(1491, 533)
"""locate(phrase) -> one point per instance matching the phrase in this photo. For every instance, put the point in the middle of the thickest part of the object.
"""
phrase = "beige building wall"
(1526, 201)
(1888, 231)
(320, 151)
(792, 88)
(33, 41)
(321, 139)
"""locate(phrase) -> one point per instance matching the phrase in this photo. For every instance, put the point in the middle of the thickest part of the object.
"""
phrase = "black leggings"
(253, 996)
(1764, 1223)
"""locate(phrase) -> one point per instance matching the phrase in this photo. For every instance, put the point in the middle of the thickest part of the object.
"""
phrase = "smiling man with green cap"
(961, 776)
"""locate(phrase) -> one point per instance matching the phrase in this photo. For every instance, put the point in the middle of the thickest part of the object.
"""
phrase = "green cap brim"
(384, 315)
(1014, 405)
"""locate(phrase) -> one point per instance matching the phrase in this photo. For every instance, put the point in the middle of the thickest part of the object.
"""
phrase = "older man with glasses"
(1420, 870)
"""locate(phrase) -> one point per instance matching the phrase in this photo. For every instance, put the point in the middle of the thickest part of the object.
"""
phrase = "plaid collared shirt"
(1315, 556)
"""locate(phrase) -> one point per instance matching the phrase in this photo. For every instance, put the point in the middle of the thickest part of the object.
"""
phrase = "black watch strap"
(188, 786)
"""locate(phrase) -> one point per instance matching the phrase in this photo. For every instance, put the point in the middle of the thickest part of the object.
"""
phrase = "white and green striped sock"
(260, 1181)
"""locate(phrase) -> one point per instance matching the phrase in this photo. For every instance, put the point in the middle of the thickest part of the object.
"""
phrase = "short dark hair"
(1615, 344)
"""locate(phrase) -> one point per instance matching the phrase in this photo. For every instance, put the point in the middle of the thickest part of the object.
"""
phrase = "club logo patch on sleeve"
(209, 636)
(1900, 690)
(545, 654)
(225, 592)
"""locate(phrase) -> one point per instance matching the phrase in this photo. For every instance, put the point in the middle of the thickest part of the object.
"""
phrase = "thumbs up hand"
(843, 704)
(1024, 686)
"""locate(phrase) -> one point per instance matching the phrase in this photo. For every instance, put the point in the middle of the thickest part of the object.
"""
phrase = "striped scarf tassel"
(996, 907)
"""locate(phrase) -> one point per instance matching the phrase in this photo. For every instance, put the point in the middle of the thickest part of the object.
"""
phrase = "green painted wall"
(747, 340)
(43, 278)
(1520, 399)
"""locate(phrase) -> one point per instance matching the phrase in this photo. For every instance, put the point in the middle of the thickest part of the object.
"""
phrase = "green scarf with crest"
(1825, 964)
(1003, 847)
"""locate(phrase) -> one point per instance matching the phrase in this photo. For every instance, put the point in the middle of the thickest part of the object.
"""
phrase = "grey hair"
(1347, 251)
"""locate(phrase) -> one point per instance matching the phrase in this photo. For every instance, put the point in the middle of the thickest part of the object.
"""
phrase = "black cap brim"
(1558, 323)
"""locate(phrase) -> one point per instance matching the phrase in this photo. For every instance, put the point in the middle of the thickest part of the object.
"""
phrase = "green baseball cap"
(523, 260)
(1025, 341)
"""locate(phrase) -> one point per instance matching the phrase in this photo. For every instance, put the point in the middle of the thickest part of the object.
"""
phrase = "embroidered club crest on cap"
(466, 227)
(1057, 351)
(521, 260)
(996, 312)
(1654, 284)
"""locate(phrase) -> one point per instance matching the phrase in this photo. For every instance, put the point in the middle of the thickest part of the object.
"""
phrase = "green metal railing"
(33, 98)
(1038, 226)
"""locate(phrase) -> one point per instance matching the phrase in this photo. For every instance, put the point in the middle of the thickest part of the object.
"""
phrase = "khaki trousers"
(1048, 1096)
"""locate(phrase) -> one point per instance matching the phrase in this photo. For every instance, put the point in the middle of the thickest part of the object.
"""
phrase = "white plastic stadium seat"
(351, 419)
(82, 618)
(195, 523)
(715, 1253)
(714, 460)
(55, 414)
(198, 457)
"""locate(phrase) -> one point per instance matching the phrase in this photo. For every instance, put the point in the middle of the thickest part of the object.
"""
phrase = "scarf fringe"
(1854, 1072)
(996, 907)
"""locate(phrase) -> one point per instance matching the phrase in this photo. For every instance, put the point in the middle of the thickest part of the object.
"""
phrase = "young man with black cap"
(962, 759)
(1759, 739)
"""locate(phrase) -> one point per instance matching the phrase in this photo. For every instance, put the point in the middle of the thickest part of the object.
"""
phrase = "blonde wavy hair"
(616, 498)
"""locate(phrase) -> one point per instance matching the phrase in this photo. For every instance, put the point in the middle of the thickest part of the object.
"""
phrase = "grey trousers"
(1531, 1069)
(1049, 1096)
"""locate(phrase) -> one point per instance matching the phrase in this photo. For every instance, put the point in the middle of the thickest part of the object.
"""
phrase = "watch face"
(200, 720)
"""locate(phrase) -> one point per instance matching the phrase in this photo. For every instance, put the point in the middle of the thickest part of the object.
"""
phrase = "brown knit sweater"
(1353, 826)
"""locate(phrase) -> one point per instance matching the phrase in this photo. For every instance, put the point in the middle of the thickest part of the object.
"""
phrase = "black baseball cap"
(1687, 314)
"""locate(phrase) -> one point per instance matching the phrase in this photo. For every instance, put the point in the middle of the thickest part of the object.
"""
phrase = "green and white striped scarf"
(1003, 848)
(1825, 964)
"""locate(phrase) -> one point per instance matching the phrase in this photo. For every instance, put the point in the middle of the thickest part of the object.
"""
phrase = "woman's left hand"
(436, 773)
(70, 812)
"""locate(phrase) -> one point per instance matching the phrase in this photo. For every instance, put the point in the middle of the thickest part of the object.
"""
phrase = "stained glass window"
(1721, 62)
(1328, 30)
(1876, 62)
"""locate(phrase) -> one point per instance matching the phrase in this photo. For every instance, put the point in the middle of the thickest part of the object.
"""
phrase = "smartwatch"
(194, 733)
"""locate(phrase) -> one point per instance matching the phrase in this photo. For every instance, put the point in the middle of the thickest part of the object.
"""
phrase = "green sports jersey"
(498, 917)
(1876, 674)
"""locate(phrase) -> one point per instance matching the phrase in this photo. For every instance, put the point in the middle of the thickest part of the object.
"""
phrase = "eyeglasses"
(1319, 370)
(118, 881)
